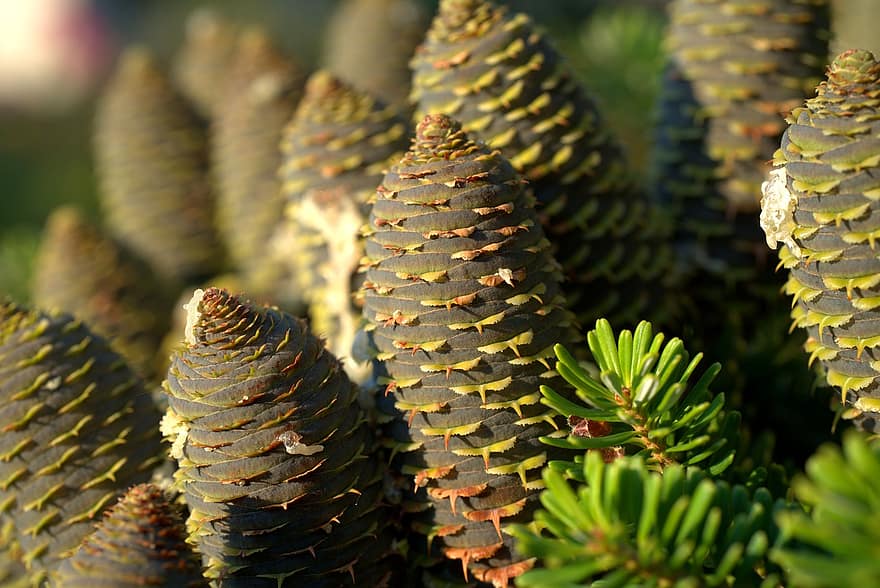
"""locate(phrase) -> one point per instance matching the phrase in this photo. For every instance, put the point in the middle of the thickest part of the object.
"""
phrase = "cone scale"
(821, 203)
(77, 429)
(462, 295)
(273, 452)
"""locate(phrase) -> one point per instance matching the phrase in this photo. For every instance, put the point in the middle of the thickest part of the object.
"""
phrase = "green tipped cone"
(821, 203)
(510, 88)
(273, 452)
(202, 63)
(77, 429)
(336, 148)
(369, 43)
(462, 296)
(151, 158)
(259, 98)
(81, 271)
(140, 542)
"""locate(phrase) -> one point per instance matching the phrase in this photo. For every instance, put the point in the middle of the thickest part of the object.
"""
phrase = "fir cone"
(81, 271)
(273, 452)
(821, 203)
(736, 69)
(336, 148)
(78, 428)
(463, 298)
(202, 63)
(511, 89)
(152, 161)
(259, 98)
(140, 542)
(369, 43)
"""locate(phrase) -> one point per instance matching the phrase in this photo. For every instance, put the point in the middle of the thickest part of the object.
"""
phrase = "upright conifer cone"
(336, 148)
(202, 63)
(369, 43)
(273, 452)
(505, 83)
(462, 294)
(822, 204)
(259, 97)
(77, 429)
(86, 273)
(736, 68)
(140, 542)
(152, 161)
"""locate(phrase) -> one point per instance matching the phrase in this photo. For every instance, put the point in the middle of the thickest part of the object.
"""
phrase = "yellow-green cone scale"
(822, 204)
(86, 273)
(259, 97)
(510, 88)
(152, 161)
(462, 295)
(77, 426)
(336, 148)
(141, 541)
(273, 452)
(369, 43)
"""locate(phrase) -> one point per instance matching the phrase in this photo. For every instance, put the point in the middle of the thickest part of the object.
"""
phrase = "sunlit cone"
(140, 542)
(86, 273)
(260, 95)
(336, 148)
(202, 63)
(273, 452)
(78, 428)
(369, 43)
(821, 203)
(152, 161)
(510, 88)
(462, 294)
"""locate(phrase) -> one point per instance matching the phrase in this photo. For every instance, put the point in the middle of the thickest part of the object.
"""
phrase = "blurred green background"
(45, 136)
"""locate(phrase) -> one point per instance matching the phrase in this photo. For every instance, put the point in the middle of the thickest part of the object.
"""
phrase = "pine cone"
(152, 162)
(369, 44)
(202, 63)
(81, 271)
(336, 148)
(463, 296)
(511, 89)
(273, 452)
(259, 99)
(78, 428)
(736, 68)
(140, 542)
(822, 204)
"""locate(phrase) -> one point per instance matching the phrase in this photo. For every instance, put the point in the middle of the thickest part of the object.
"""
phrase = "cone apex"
(854, 66)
